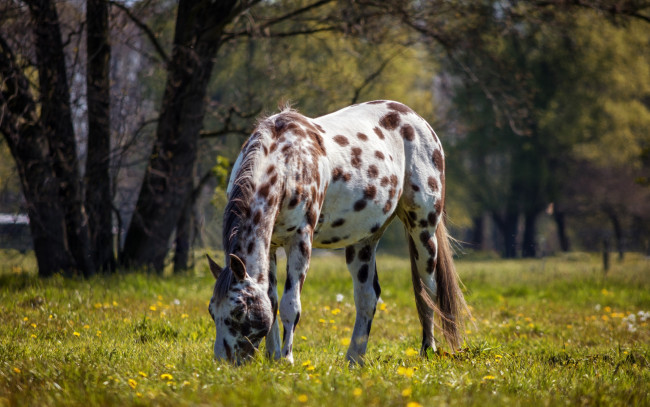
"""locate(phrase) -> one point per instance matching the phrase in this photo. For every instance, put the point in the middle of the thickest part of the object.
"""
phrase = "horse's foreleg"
(298, 257)
(273, 343)
(361, 263)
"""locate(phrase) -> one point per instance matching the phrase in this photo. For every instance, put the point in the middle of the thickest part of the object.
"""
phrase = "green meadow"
(554, 331)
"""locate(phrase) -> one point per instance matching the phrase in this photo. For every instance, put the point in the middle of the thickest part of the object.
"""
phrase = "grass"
(545, 332)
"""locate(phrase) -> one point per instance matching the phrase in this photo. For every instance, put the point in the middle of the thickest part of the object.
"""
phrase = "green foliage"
(547, 331)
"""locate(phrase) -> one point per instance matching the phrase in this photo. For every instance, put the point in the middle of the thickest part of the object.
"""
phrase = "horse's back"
(377, 152)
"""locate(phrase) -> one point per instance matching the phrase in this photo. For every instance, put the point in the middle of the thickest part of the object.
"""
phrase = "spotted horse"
(336, 181)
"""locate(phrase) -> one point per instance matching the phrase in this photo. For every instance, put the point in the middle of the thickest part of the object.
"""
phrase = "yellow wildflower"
(413, 404)
(184, 315)
(17, 370)
(152, 307)
(33, 336)
(604, 318)
(405, 371)
(382, 306)
(607, 309)
(407, 392)
(307, 363)
(336, 311)
(75, 333)
(25, 319)
(488, 377)
(411, 352)
(304, 338)
(166, 376)
(133, 384)
(357, 392)
(303, 398)
(345, 341)
(143, 374)
(86, 326)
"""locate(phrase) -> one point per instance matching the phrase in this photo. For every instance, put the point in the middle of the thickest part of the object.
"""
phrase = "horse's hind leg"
(360, 259)
(423, 250)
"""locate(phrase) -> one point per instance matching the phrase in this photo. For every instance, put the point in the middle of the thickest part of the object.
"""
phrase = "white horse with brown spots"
(336, 181)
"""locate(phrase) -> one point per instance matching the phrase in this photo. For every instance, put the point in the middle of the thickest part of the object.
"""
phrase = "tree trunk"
(183, 239)
(507, 225)
(21, 128)
(477, 232)
(98, 181)
(168, 179)
(56, 119)
(618, 232)
(528, 246)
(560, 223)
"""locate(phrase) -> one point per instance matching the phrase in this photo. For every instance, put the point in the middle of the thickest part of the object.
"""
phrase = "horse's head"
(241, 310)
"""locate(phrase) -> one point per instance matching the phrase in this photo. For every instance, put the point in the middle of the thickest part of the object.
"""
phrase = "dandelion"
(411, 352)
(322, 321)
(605, 292)
(166, 376)
(382, 306)
(99, 333)
(304, 338)
(488, 377)
(531, 325)
(138, 394)
(307, 363)
(339, 297)
(132, 383)
(405, 371)
(152, 307)
(303, 398)
(75, 333)
(569, 326)
(604, 318)
(468, 331)
(332, 321)
(413, 404)
(115, 304)
(336, 311)
(17, 370)
(345, 341)
(86, 326)
(97, 305)
(357, 392)
(25, 319)
(33, 336)
(51, 316)
(184, 316)
(607, 309)
(407, 392)
(142, 374)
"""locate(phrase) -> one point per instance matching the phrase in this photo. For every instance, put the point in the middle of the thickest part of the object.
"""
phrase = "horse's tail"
(450, 302)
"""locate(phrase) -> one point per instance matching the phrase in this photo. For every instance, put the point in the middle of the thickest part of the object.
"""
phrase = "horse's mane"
(238, 208)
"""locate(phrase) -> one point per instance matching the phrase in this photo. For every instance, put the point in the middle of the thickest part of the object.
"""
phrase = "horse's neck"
(256, 230)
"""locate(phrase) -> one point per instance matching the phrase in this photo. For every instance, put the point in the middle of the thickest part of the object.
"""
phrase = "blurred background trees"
(119, 119)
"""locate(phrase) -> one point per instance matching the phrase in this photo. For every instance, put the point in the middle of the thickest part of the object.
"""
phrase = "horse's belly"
(347, 217)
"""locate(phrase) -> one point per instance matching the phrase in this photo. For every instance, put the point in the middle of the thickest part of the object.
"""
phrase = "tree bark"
(560, 223)
(477, 232)
(618, 232)
(21, 128)
(168, 179)
(507, 225)
(183, 239)
(56, 119)
(529, 245)
(98, 181)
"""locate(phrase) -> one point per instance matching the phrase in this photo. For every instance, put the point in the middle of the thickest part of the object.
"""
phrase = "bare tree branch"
(276, 20)
(370, 78)
(144, 27)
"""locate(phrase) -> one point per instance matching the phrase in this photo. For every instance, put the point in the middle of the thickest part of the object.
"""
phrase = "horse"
(335, 181)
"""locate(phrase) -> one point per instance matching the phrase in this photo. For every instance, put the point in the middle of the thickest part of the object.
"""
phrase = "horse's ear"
(238, 268)
(214, 267)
